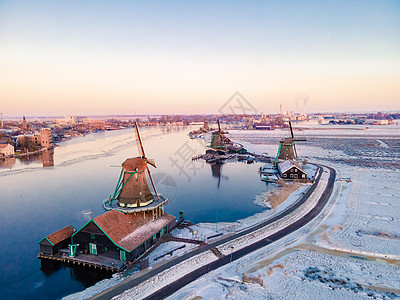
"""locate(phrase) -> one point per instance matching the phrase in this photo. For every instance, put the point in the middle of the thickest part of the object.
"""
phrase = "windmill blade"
(300, 139)
(291, 129)
(151, 162)
(139, 141)
(152, 182)
(295, 151)
(219, 126)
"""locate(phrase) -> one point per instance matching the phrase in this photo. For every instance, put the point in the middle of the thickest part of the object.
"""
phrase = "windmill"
(287, 148)
(132, 189)
(218, 138)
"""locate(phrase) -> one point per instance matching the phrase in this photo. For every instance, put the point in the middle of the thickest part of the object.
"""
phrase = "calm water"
(37, 201)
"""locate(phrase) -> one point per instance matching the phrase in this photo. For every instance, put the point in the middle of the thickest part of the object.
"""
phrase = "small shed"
(291, 170)
(52, 243)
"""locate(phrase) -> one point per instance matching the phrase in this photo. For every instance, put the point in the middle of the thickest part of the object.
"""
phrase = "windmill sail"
(148, 161)
(132, 189)
(294, 145)
(139, 141)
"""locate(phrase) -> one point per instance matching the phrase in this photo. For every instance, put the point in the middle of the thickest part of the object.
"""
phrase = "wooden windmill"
(132, 189)
(287, 147)
(218, 139)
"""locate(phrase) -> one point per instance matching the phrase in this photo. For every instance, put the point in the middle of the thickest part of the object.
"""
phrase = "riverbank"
(253, 235)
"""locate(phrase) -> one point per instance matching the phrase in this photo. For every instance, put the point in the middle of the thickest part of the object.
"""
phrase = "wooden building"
(135, 191)
(52, 243)
(219, 140)
(287, 146)
(121, 236)
(286, 149)
(291, 170)
(134, 220)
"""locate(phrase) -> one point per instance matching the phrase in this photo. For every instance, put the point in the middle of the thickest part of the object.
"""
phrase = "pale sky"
(152, 57)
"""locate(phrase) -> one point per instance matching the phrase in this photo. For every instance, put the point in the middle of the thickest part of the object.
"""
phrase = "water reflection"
(216, 170)
(46, 158)
(85, 276)
(7, 162)
(168, 129)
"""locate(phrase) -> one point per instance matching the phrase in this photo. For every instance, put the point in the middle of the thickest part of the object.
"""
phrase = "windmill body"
(219, 140)
(132, 193)
(287, 147)
(135, 190)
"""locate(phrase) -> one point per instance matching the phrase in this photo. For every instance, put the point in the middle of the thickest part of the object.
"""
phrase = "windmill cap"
(131, 164)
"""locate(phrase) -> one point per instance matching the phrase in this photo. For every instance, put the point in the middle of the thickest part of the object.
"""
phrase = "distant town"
(33, 135)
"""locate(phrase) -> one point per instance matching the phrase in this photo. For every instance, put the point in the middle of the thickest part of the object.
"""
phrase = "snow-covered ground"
(352, 253)
(203, 230)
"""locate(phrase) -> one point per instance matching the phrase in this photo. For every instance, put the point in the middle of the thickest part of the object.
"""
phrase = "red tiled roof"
(3, 145)
(130, 231)
(61, 235)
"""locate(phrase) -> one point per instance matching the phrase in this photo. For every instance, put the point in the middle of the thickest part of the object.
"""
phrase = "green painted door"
(122, 255)
(162, 232)
(72, 250)
(93, 249)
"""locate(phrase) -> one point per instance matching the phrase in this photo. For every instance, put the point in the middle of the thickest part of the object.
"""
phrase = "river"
(40, 198)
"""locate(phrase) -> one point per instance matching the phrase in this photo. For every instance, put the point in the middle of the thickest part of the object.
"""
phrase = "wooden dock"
(101, 263)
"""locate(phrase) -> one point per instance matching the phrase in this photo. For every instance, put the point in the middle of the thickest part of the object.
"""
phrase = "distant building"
(6, 150)
(262, 127)
(33, 138)
(71, 120)
(43, 139)
(46, 139)
(290, 170)
(24, 124)
(98, 124)
(376, 122)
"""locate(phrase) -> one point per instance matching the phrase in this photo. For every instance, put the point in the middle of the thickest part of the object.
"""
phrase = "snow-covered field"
(148, 287)
(352, 253)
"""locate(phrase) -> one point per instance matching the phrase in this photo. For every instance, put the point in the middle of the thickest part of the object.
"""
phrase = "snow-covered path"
(293, 219)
